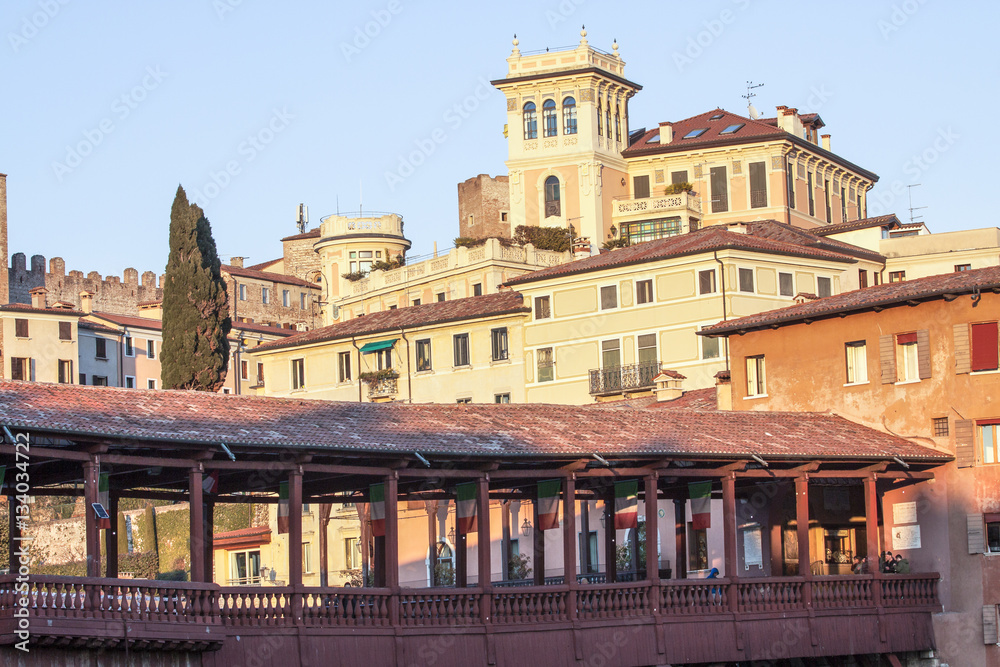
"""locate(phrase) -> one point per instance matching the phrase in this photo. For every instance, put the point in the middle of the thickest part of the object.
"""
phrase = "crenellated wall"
(112, 294)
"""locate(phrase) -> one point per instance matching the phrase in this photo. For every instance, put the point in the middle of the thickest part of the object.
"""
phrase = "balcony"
(383, 387)
(685, 205)
(620, 379)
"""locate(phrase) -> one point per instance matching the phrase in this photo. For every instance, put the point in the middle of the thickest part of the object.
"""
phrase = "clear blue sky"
(302, 109)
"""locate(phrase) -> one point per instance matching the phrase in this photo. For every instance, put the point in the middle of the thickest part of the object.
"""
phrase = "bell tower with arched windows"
(567, 125)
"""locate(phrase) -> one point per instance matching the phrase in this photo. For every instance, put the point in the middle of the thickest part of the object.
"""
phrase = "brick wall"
(300, 259)
(273, 312)
(481, 200)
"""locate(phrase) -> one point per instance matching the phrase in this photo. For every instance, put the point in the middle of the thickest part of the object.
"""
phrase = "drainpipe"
(359, 366)
(722, 275)
(409, 380)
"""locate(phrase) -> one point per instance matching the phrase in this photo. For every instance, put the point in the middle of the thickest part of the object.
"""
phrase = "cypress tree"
(196, 319)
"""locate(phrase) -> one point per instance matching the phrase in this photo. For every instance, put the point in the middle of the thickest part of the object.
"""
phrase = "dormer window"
(530, 121)
(732, 129)
(694, 134)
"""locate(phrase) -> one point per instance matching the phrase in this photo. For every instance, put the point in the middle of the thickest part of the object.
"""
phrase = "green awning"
(368, 348)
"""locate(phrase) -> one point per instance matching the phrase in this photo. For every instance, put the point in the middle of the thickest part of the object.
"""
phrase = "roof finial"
(614, 47)
(583, 36)
(516, 51)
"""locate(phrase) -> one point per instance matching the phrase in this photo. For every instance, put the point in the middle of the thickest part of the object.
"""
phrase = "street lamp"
(526, 528)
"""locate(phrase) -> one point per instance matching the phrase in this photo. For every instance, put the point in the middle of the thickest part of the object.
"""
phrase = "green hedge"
(544, 238)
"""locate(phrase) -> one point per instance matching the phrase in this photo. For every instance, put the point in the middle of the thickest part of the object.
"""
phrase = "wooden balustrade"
(530, 604)
(909, 590)
(255, 606)
(759, 595)
(613, 601)
(345, 607)
(698, 596)
(840, 592)
(439, 606)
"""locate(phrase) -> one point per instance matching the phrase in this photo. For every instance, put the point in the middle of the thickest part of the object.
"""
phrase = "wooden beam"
(48, 453)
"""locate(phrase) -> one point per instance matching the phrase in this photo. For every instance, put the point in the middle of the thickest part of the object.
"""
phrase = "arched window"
(552, 204)
(600, 119)
(607, 118)
(618, 126)
(569, 116)
(530, 121)
(550, 127)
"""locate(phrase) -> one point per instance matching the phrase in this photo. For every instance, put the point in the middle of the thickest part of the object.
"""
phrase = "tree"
(196, 319)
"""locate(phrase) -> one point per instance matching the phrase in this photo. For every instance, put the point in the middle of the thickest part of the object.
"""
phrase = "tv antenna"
(909, 192)
(754, 114)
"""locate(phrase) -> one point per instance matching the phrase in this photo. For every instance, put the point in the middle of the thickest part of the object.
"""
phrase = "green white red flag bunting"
(377, 497)
(210, 482)
(548, 503)
(282, 508)
(626, 504)
(701, 505)
(466, 508)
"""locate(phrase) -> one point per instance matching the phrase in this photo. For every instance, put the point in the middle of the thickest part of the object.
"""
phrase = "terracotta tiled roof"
(311, 234)
(242, 537)
(483, 431)
(889, 220)
(696, 399)
(262, 328)
(715, 237)
(28, 308)
(779, 231)
(878, 296)
(502, 303)
(266, 275)
(262, 266)
(154, 302)
(131, 321)
(97, 326)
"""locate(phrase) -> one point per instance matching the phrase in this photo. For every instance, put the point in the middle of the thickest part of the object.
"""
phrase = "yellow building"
(41, 344)
(465, 350)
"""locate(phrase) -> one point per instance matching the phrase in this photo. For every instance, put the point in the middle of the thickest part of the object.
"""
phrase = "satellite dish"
(754, 114)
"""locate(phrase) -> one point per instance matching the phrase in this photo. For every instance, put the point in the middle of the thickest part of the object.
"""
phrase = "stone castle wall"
(301, 259)
(481, 201)
(112, 294)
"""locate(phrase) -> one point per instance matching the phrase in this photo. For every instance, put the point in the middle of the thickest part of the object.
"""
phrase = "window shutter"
(965, 453)
(990, 625)
(963, 361)
(984, 346)
(975, 526)
(924, 354)
(887, 358)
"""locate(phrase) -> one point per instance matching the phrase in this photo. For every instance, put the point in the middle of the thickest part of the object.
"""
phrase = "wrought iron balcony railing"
(383, 387)
(618, 379)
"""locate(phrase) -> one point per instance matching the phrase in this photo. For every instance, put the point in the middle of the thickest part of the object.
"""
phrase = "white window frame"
(856, 358)
(265, 295)
(826, 278)
(756, 376)
(600, 293)
(129, 346)
(344, 370)
(715, 285)
(652, 292)
(150, 348)
(548, 300)
(150, 383)
(243, 291)
(908, 362)
(297, 369)
(130, 382)
(739, 280)
(790, 275)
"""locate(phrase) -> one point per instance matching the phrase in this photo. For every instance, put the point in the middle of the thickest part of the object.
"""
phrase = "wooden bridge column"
(680, 539)
(802, 530)
(14, 562)
(295, 527)
(484, 564)
(196, 524)
(91, 474)
(872, 536)
(390, 546)
(610, 537)
(652, 532)
(111, 538)
(539, 545)
(569, 544)
(730, 555)
(209, 539)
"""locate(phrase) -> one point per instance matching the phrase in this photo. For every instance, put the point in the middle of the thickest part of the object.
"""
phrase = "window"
(151, 383)
(102, 348)
(843, 205)
(609, 297)
(21, 328)
(416, 302)
(963, 267)
(756, 385)
(498, 338)
(679, 176)
(600, 125)
(245, 568)
(988, 436)
(824, 286)
(550, 126)
(810, 193)
(697, 548)
(746, 280)
(501, 398)
(786, 286)
(383, 359)
(546, 367)
(151, 349)
(790, 184)
(644, 291)
(706, 281)
(130, 382)
(650, 230)
(611, 353)
(732, 129)
(260, 374)
(286, 298)
(440, 296)
(265, 295)
(647, 352)
(244, 370)
(424, 355)
(343, 366)
(758, 185)
(569, 116)
(983, 339)
(710, 347)
(65, 331)
(940, 425)
(862, 278)
(720, 193)
(298, 373)
(306, 554)
(100, 381)
(243, 292)
(857, 362)
(907, 357)
(477, 289)
(553, 207)
(302, 301)
(461, 345)
(65, 371)
(993, 533)
(83, 378)
(352, 553)
(543, 309)
(640, 187)
(464, 401)
(129, 348)
(607, 117)
(618, 126)
(530, 121)
(694, 134)
(826, 196)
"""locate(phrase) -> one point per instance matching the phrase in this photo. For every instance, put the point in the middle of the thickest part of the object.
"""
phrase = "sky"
(255, 107)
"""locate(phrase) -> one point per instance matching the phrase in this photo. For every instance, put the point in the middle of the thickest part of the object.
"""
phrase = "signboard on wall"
(904, 513)
(905, 537)
(753, 552)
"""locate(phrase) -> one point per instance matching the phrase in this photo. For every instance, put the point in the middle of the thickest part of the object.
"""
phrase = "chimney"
(668, 386)
(723, 391)
(38, 297)
(803, 297)
(87, 302)
(236, 262)
(666, 133)
(826, 141)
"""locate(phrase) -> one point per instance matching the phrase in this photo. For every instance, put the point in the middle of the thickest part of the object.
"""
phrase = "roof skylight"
(732, 129)
(695, 133)
(716, 116)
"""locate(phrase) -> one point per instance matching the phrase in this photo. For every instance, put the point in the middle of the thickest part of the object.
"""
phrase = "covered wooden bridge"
(763, 468)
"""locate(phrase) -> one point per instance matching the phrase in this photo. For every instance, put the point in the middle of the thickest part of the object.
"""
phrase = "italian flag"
(466, 494)
(548, 504)
(626, 505)
(210, 482)
(103, 490)
(701, 505)
(377, 497)
(282, 508)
